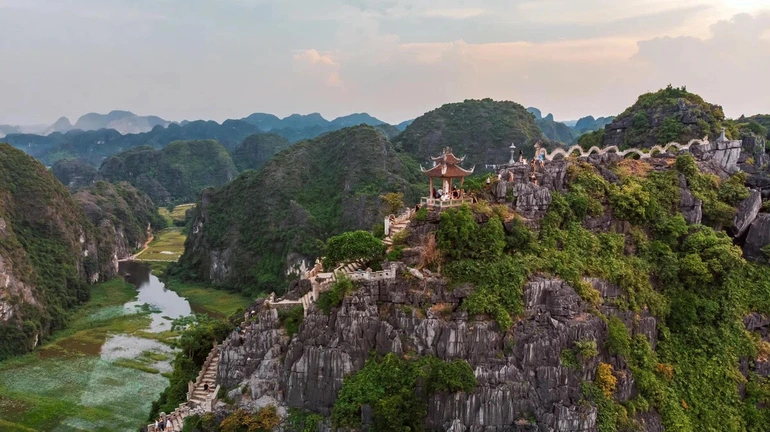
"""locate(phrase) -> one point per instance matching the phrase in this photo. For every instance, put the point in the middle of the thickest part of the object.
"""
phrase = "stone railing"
(373, 276)
(209, 358)
(641, 153)
(395, 220)
(441, 204)
(313, 272)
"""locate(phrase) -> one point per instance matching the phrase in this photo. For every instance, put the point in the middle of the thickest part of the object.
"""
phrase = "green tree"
(352, 246)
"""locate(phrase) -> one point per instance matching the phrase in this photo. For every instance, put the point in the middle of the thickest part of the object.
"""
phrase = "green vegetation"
(557, 131)
(119, 207)
(306, 193)
(74, 173)
(176, 215)
(481, 129)
(66, 384)
(257, 149)
(591, 139)
(352, 246)
(670, 114)
(40, 245)
(204, 298)
(175, 174)
(719, 198)
(691, 277)
(198, 334)
(618, 340)
(95, 145)
(303, 421)
(291, 319)
(168, 245)
(394, 202)
(397, 390)
(264, 420)
(334, 296)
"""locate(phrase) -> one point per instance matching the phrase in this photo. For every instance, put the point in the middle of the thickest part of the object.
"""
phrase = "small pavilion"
(446, 168)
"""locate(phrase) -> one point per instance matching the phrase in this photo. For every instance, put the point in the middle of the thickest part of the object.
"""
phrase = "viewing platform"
(439, 204)
(446, 168)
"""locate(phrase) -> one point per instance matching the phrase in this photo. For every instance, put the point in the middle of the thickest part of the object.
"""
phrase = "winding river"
(104, 371)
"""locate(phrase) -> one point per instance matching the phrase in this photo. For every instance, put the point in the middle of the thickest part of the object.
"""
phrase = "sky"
(219, 59)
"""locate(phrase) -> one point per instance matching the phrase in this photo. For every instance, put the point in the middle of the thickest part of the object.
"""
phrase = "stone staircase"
(394, 229)
(348, 268)
(393, 225)
(396, 224)
(201, 395)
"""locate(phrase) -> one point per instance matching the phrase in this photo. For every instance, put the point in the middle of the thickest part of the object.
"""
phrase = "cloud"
(313, 57)
(393, 58)
(728, 67)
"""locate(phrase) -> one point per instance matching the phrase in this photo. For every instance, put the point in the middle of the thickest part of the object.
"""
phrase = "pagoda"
(446, 167)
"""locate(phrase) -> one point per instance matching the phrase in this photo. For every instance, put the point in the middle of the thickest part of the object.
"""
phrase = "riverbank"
(76, 381)
(104, 370)
(203, 298)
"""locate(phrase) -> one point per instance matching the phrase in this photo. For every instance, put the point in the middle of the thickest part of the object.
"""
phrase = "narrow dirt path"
(144, 248)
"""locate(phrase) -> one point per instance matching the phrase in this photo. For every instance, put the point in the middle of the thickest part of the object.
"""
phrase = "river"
(105, 370)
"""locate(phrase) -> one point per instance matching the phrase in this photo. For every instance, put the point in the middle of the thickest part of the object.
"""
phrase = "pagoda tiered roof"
(448, 158)
(447, 171)
(446, 166)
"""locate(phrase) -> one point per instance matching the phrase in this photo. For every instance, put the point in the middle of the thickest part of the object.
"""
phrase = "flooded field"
(104, 371)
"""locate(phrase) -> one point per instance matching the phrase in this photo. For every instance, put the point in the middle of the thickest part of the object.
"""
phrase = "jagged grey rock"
(757, 238)
(690, 207)
(748, 210)
(520, 376)
(532, 201)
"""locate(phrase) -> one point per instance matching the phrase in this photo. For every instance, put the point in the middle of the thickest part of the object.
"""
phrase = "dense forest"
(483, 130)
(175, 174)
(50, 250)
(306, 193)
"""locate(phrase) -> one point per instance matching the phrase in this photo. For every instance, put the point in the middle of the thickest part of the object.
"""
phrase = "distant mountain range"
(567, 131)
(295, 127)
(95, 137)
(124, 122)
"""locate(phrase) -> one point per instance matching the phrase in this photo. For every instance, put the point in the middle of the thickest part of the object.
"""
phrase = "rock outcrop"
(690, 207)
(757, 238)
(748, 210)
(520, 377)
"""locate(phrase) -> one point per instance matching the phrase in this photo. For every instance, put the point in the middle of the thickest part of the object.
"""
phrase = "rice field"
(100, 374)
(177, 215)
(167, 246)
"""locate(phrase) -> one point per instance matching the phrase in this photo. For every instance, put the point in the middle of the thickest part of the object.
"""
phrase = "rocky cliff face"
(525, 381)
(522, 379)
(667, 115)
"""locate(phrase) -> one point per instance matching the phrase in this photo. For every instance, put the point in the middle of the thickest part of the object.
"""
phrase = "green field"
(214, 302)
(70, 384)
(167, 246)
(102, 372)
(177, 215)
